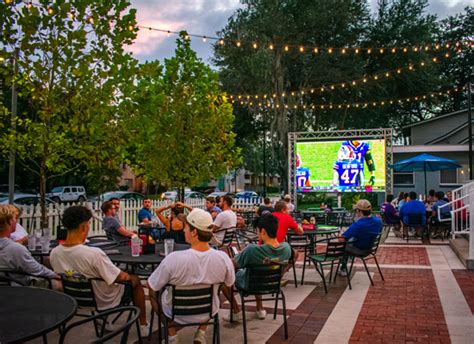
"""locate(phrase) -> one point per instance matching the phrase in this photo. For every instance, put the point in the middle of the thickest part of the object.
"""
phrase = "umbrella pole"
(426, 189)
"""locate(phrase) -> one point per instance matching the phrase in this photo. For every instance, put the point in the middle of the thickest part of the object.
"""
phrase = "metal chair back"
(192, 300)
(80, 288)
(415, 220)
(335, 249)
(264, 279)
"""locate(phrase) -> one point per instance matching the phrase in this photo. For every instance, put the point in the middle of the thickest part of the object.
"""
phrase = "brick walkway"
(465, 280)
(404, 308)
(403, 256)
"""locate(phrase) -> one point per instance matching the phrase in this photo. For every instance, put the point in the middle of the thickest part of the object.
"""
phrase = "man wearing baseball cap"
(361, 234)
(199, 265)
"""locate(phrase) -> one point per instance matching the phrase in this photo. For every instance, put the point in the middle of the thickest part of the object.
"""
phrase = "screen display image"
(340, 166)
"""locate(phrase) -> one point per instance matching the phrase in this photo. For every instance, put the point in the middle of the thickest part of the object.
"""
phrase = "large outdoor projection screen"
(344, 165)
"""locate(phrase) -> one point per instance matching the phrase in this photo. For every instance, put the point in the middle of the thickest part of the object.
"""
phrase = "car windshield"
(57, 189)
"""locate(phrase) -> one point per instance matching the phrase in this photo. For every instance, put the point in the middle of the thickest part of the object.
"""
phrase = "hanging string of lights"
(286, 47)
(411, 67)
(301, 48)
(270, 104)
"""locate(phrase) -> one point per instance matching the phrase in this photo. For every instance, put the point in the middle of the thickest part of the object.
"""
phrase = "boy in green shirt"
(253, 254)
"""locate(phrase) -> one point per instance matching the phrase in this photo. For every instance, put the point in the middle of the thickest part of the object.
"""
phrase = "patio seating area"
(427, 296)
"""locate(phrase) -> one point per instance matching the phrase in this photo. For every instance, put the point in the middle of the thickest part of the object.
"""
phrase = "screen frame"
(385, 134)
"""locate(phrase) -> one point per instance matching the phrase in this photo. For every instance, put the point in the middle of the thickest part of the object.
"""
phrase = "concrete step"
(461, 247)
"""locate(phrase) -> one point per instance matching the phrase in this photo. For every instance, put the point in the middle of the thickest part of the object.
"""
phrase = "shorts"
(127, 296)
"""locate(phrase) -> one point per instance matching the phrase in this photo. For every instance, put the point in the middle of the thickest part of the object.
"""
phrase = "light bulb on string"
(50, 11)
(270, 46)
(204, 39)
(286, 48)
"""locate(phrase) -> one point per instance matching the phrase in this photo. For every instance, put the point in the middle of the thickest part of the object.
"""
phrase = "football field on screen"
(319, 157)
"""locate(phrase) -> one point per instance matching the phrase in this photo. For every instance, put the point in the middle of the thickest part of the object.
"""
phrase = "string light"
(381, 103)
(364, 80)
(50, 11)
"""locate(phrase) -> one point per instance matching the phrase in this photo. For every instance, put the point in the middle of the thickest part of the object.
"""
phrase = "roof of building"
(435, 118)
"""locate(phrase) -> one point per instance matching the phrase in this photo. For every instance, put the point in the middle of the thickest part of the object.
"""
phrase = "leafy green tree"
(75, 74)
(183, 127)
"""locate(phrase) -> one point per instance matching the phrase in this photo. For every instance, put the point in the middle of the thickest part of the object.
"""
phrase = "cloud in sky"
(206, 17)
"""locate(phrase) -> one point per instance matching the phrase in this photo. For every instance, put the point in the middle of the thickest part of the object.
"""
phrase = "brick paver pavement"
(403, 256)
(465, 280)
(404, 308)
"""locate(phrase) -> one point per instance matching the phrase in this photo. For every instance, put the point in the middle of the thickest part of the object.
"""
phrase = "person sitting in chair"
(200, 265)
(271, 250)
(91, 262)
(112, 225)
(361, 234)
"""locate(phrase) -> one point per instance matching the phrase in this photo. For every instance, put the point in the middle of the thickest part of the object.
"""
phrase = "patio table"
(123, 255)
(28, 313)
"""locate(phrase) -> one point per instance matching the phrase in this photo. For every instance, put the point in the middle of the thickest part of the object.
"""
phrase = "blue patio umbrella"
(424, 162)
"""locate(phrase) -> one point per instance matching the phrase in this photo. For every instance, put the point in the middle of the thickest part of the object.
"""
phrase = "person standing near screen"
(360, 151)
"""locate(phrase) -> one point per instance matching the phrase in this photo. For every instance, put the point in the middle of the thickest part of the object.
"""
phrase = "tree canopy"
(293, 28)
(183, 126)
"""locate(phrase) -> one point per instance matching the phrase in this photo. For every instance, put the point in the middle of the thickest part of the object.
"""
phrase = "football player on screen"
(348, 172)
(360, 151)
(302, 174)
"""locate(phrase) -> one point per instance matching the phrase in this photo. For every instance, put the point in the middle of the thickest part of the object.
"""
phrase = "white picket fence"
(128, 213)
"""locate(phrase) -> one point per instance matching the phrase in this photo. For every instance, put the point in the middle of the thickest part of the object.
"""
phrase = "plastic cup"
(45, 243)
(169, 246)
(47, 233)
(32, 242)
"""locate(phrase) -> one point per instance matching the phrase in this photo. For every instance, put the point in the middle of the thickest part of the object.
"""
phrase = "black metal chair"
(369, 254)
(124, 329)
(229, 236)
(301, 244)
(334, 219)
(415, 222)
(263, 280)
(81, 289)
(190, 300)
(10, 281)
(335, 252)
(21, 278)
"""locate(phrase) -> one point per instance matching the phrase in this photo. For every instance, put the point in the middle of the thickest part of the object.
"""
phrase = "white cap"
(200, 219)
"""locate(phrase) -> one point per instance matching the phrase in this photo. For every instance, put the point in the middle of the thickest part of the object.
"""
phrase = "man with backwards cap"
(199, 265)
(361, 234)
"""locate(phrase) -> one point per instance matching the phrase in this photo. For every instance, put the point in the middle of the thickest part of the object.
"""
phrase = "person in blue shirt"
(413, 207)
(361, 234)
(145, 214)
(445, 212)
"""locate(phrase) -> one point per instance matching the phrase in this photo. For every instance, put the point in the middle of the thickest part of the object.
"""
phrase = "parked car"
(25, 199)
(246, 195)
(221, 194)
(173, 195)
(194, 195)
(68, 194)
(121, 195)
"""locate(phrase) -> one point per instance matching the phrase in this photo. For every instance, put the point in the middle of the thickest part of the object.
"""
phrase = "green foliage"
(73, 75)
(183, 128)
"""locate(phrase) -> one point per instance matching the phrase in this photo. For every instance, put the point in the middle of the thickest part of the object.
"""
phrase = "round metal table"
(27, 313)
(124, 256)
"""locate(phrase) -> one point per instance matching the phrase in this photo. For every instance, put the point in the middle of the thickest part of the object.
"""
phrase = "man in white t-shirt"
(91, 262)
(199, 265)
(225, 219)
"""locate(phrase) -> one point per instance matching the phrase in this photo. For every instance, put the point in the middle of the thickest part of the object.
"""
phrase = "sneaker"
(342, 272)
(171, 340)
(236, 317)
(200, 337)
(261, 314)
(283, 283)
(144, 330)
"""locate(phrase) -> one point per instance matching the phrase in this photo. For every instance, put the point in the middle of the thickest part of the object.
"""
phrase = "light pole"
(11, 164)
(264, 157)
(469, 121)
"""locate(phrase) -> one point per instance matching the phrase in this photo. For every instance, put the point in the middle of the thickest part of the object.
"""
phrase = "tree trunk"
(42, 177)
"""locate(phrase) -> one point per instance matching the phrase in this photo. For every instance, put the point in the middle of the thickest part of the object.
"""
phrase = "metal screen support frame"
(338, 135)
